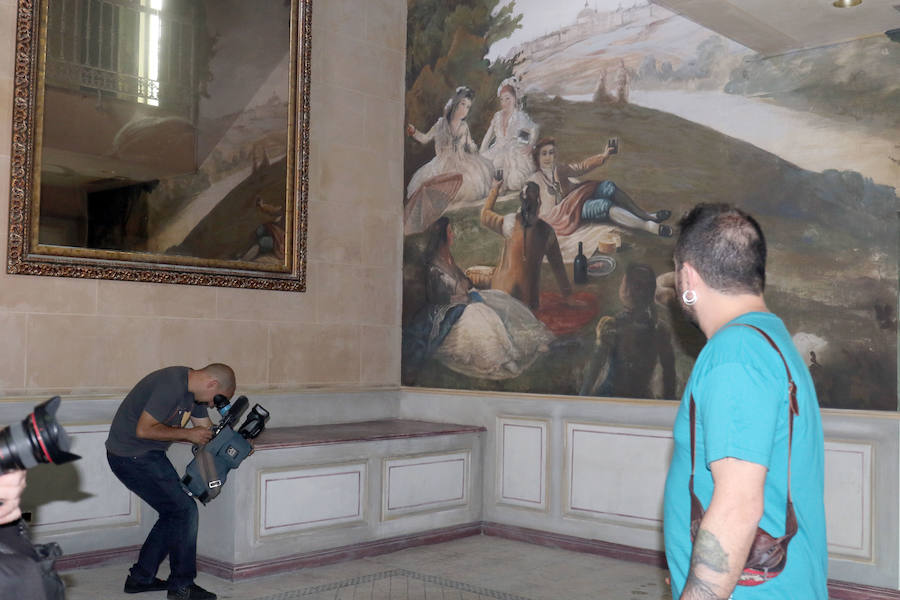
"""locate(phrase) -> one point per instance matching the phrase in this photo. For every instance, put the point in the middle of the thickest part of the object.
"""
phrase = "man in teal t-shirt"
(740, 390)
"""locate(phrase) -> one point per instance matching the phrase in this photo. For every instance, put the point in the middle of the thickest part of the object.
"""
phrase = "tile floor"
(467, 569)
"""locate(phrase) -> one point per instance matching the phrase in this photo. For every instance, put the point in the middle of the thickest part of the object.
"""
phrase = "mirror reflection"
(165, 131)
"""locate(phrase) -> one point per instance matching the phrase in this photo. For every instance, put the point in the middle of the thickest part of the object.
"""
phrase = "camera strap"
(793, 409)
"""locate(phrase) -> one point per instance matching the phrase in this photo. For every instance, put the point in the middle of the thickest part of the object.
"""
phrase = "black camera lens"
(39, 438)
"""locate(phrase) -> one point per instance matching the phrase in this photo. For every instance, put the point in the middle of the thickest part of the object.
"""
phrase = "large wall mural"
(550, 151)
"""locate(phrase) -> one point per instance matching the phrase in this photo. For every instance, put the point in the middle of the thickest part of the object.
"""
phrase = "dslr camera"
(206, 473)
(38, 438)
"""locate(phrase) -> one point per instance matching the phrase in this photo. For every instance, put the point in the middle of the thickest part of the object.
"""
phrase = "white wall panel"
(616, 473)
(861, 489)
(307, 498)
(425, 483)
(848, 499)
(53, 490)
(523, 450)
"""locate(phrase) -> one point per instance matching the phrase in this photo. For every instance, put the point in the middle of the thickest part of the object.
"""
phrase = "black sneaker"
(190, 592)
(133, 586)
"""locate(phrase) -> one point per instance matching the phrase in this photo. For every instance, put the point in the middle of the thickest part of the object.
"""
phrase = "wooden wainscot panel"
(58, 496)
(616, 474)
(425, 483)
(848, 499)
(522, 462)
(300, 499)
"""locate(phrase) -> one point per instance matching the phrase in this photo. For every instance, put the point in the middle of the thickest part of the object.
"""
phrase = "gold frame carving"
(25, 256)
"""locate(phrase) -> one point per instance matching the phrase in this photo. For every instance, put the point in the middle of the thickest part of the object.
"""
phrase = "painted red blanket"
(563, 317)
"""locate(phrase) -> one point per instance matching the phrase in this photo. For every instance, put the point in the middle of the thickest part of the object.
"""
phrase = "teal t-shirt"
(740, 390)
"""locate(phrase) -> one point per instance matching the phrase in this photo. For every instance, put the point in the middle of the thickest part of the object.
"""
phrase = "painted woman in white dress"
(480, 333)
(455, 152)
(510, 138)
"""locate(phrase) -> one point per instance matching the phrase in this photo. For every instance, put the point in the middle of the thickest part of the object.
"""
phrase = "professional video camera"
(38, 438)
(206, 473)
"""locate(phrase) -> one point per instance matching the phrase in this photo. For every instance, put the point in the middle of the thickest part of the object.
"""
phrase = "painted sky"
(541, 16)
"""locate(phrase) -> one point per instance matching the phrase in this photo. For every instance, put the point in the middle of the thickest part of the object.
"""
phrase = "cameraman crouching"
(152, 416)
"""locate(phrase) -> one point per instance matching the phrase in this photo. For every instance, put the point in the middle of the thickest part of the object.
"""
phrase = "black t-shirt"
(164, 395)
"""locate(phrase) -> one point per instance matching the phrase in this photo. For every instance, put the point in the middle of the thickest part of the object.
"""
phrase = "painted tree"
(447, 46)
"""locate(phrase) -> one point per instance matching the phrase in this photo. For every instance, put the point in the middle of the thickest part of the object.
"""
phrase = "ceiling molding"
(773, 27)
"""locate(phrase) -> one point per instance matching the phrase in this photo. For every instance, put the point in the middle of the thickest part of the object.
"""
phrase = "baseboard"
(97, 558)
(837, 590)
(844, 590)
(575, 544)
(334, 555)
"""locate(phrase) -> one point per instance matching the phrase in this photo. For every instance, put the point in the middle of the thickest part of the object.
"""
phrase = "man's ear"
(690, 276)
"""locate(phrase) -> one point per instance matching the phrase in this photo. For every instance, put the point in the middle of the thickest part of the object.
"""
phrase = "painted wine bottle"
(579, 267)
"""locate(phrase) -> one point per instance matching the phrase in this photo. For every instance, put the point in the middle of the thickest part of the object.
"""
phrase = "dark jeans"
(152, 477)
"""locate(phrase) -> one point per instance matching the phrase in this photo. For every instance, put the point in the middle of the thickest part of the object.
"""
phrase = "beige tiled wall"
(76, 336)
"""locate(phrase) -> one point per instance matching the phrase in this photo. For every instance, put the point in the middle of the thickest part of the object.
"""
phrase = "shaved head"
(223, 374)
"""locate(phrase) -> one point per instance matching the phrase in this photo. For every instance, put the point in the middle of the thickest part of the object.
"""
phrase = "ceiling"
(777, 26)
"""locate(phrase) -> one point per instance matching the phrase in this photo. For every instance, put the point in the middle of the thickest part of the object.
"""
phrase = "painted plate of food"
(600, 265)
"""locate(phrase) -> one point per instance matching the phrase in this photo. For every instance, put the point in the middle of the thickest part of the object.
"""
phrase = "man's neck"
(193, 380)
(723, 308)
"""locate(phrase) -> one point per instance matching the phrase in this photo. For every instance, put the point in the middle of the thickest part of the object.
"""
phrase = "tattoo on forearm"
(707, 554)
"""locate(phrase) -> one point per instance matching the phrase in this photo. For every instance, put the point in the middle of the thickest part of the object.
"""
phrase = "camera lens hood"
(51, 438)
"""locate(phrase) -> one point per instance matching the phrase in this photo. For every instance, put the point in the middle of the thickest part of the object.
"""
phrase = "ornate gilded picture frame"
(161, 141)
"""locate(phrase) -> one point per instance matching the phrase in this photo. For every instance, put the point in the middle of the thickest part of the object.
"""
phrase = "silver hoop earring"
(689, 297)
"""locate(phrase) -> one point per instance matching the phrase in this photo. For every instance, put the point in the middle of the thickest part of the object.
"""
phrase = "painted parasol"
(430, 201)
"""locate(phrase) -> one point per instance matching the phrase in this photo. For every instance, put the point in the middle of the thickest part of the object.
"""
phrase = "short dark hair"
(726, 246)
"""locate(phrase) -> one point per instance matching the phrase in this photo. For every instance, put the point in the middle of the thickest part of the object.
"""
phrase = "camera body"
(205, 475)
